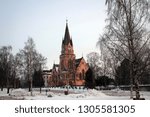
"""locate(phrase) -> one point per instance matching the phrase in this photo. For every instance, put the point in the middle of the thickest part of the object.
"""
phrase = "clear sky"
(45, 21)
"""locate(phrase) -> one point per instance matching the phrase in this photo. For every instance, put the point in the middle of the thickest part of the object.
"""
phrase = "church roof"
(56, 66)
(77, 61)
(67, 38)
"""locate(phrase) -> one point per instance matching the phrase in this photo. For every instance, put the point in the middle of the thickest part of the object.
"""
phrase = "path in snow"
(74, 94)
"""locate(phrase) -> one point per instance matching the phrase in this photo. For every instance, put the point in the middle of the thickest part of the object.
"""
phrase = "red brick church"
(69, 71)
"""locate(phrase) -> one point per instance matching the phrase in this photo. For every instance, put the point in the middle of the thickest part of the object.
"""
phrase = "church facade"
(69, 71)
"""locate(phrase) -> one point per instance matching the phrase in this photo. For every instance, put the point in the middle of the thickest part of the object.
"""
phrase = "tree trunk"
(40, 89)
(29, 85)
(8, 89)
(131, 80)
(15, 84)
(131, 88)
(137, 89)
(1, 84)
(8, 86)
(1, 88)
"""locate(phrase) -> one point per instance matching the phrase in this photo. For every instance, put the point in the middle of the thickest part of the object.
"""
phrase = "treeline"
(103, 72)
(123, 72)
(92, 81)
(22, 68)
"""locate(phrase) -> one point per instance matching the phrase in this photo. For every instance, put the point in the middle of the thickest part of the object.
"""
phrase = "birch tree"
(31, 60)
(128, 34)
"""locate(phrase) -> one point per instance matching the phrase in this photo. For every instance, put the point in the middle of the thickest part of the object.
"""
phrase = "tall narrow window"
(83, 74)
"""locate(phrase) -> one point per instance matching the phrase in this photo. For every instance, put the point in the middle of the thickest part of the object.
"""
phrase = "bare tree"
(95, 63)
(127, 33)
(5, 66)
(31, 60)
(16, 69)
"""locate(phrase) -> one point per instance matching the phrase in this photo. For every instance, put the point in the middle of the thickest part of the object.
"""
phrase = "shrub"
(49, 95)
(66, 92)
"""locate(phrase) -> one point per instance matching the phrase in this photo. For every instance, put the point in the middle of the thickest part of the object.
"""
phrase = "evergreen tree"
(38, 80)
(89, 79)
(104, 81)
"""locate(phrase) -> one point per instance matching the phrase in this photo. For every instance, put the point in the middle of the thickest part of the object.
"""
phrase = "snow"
(3, 93)
(74, 94)
(19, 92)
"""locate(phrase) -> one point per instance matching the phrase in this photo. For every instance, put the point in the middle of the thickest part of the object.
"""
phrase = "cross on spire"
(67, 38)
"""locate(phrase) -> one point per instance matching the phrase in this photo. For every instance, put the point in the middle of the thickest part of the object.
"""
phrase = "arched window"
(70, 64)
(83, 74)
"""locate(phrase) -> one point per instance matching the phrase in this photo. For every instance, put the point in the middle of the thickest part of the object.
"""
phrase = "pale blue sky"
(45, 20)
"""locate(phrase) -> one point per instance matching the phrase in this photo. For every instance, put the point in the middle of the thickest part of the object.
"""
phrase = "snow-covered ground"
(58, 93)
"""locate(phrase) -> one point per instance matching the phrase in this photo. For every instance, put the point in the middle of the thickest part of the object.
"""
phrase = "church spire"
(67, 38)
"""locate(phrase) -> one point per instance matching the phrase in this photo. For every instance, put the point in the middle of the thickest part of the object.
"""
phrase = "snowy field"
(74, 94)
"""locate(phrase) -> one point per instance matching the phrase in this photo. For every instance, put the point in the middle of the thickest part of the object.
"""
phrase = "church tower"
(67, 59)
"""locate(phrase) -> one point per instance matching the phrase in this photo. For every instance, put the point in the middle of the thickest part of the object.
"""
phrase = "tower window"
(83, 74)
(69, 50)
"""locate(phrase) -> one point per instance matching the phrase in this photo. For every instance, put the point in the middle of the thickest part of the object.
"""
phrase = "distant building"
(47, 76)
(69, 71)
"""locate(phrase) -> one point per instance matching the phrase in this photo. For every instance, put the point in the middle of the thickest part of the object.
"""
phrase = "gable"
(82, 65)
